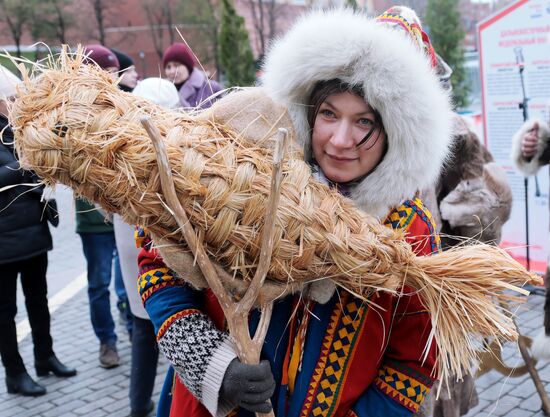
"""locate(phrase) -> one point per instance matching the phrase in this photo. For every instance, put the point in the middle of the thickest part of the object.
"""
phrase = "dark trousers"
(144, 364)
(98, 250)
(35, 289)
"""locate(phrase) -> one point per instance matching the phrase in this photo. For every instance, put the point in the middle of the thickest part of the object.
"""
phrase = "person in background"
(128, 73)
(144, 343)
(128, 78)
(530, 152)
(24, 247)
(98, 243)
(194, 88)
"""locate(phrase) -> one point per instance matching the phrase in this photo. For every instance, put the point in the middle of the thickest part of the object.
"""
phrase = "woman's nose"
(342, 135)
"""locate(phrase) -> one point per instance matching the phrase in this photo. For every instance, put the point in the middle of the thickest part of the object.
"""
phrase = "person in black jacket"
(24, 248)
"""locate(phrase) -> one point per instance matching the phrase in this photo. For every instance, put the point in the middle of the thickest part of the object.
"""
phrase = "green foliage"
(446, 33)
(9, 64)
(51, 19)
(236, 59)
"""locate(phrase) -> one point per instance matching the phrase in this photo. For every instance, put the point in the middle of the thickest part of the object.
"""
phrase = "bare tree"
(103, 11)
(160, 16)
(264, 17)
(98, 7)
(63, 17)
(213, 8)
(199, 23)
(16, 14)
(51, 19)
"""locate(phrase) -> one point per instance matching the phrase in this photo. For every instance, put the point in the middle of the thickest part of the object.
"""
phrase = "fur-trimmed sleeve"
(542, 157)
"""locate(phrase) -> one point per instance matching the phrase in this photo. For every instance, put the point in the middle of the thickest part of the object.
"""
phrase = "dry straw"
(74, 126)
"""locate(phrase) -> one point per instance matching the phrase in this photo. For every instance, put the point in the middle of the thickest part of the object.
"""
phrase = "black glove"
(248, 386)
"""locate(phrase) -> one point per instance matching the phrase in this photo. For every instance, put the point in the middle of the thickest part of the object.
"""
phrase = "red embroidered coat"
(343, 358)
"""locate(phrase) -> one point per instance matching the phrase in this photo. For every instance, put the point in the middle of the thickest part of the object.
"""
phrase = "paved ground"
(97, 392)
(501, 395)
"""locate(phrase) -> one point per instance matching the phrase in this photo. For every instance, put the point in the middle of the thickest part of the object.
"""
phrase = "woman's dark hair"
(323, 89)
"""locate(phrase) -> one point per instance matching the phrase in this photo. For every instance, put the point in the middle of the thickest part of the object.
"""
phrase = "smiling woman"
(347, 140)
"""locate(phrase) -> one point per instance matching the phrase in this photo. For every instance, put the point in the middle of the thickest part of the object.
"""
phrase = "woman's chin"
(339, 178)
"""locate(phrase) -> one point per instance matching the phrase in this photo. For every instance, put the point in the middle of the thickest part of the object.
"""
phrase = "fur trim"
(532, 166)
(397, 80)
(321, 291)
(540, 349)
(478, 207)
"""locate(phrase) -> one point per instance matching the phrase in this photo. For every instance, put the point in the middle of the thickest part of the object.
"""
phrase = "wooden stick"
(493, 360)
(180, 216)
(253, 290)
(236, 313)
(530, 363)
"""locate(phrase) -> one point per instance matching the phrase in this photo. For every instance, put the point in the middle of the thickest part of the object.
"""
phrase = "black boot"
(144, 413)
(53, 365)
(23, 384)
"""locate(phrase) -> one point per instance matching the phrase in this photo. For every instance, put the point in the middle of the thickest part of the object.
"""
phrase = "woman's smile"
(341, 158)
(340, 138)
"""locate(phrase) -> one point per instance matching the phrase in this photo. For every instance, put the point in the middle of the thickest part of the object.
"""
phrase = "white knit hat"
(8, 82)
(159, 91)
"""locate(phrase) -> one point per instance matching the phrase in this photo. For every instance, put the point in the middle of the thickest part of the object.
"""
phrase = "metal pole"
(523, 106)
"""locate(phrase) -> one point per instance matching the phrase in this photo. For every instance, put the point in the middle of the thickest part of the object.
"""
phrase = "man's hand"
(248, 386)
(529, 142)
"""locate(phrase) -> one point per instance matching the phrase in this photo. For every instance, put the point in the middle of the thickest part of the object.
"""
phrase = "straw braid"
(74, 126)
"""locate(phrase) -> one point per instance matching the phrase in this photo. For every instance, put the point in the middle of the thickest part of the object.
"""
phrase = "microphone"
(518, 50)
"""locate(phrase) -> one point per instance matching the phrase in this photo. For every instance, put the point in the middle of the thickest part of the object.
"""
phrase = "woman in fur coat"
(375, 125)
(530, 151)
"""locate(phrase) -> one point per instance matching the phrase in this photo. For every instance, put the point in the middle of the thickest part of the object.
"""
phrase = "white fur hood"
(397, 81)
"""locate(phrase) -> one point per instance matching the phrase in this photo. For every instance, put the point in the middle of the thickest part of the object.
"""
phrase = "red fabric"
(184, 404)
(419, 237)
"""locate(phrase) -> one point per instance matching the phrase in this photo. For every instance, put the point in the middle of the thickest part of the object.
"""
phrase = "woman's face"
(176, 72)
(343, 121)
(129, 77)
(113, 72)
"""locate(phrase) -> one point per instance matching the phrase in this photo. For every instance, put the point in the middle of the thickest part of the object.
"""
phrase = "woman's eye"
(327, 113)
(365, 122)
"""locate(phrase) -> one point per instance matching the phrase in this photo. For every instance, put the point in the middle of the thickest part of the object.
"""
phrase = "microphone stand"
(523, 106)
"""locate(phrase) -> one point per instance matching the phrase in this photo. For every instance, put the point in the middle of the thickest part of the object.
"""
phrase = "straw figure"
(74, 126)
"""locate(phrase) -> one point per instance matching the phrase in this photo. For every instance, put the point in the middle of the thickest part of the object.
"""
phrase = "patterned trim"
(405, 390)
(151, 266)
(141, 236)
(338, 346)
(172, 319)
(399, 366)
(403, 216)
(149, 292)
(153, 277)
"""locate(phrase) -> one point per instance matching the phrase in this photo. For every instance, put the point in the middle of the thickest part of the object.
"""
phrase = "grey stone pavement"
(500, 395)
(96, 392)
